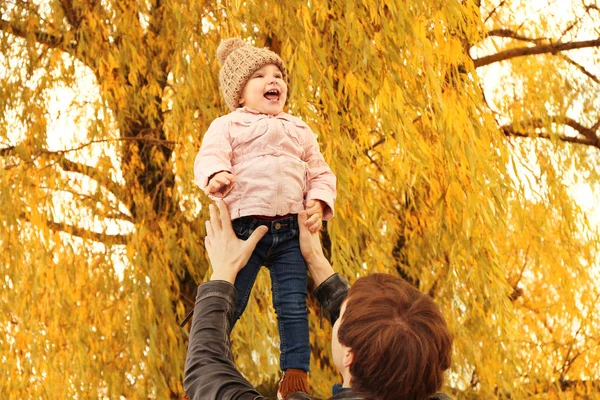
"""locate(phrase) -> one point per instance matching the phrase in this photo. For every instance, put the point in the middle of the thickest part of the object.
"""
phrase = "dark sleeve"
(331, 294)
(440, 396)
(210, 373)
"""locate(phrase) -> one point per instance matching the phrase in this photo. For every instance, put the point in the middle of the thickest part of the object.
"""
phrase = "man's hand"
(314, 208)
(312, 251)
(220, 184)
(227, 254)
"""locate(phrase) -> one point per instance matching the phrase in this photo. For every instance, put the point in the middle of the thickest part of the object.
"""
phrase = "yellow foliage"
(104, 229)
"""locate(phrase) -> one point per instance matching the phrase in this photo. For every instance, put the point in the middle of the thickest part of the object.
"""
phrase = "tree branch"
(580, 68)
(584, 384)
(528, 51)
(108, 240)
(91, 172)
(7, 151)
(586, 136)
(586, 132)
(157, 53)
(163, 142)
(517, 291)
(542, 318)
(58, 157)
(508, 33)
(70, 13)
(569, 28)
(44, 38)
(494, 11)
(114, 213)
(74, 17)
(592, 7)
(568, 361)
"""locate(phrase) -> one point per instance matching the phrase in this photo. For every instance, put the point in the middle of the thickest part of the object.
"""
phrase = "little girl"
(266, 166)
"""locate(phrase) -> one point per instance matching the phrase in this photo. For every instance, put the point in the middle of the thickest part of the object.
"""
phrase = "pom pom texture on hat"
(239, 60)
(227, 46)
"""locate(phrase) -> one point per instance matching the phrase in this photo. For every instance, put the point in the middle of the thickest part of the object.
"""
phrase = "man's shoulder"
(348, 395)
(440, 396)
(340, 396)
(301, 396)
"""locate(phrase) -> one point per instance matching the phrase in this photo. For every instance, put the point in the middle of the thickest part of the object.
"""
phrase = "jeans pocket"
(241, 230)
(294, 233)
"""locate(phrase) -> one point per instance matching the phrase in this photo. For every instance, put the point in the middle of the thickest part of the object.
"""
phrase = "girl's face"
(265, 91)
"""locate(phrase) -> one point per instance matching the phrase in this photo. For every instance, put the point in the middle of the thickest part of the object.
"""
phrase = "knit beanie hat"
(239, 60)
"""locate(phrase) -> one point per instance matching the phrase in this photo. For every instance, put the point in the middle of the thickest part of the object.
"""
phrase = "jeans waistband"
(276, 226)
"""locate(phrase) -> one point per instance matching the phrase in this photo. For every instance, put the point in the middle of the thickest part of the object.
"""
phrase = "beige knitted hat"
(238, 61)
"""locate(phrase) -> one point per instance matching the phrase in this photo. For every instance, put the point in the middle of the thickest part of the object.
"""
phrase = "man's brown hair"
(399, 338)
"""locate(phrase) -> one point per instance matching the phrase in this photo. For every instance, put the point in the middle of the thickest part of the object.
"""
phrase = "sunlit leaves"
(105, 228)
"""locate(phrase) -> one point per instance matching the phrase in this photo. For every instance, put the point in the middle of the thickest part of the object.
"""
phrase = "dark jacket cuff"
(221, 289)
(331, 294)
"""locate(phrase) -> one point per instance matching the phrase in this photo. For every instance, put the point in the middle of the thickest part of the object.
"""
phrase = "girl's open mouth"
(272, 95)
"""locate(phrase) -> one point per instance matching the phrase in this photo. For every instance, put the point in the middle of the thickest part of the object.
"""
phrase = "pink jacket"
(275, 159)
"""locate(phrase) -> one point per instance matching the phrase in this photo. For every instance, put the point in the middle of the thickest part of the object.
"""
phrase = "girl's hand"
(314, 208)
(220, 184)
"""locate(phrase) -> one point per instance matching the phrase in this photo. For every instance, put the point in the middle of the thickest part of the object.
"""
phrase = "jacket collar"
(246, 111)
(346, 395)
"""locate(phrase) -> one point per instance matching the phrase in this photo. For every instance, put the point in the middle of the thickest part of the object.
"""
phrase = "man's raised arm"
(210, 373)
(332, 288)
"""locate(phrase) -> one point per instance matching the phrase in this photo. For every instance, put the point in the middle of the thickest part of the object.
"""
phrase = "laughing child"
(266, 166)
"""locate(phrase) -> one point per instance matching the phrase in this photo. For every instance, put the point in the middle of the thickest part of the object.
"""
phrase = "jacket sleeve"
(215, 153)
(331, 294)
(210, 373)
(321, 181)
(440, 396)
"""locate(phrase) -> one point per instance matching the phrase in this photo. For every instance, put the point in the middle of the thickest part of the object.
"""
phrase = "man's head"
(239, 64)
(392, 339)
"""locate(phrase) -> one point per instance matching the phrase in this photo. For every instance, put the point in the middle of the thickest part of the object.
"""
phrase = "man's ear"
(348, 358)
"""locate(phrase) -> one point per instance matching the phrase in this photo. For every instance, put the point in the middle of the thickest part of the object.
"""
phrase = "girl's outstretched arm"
(321, 181)
(214, 155)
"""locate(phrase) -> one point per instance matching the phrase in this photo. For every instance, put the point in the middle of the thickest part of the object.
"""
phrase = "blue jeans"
(279, 251)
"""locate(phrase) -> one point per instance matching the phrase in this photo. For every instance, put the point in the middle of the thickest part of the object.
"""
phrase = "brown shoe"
(292, 381)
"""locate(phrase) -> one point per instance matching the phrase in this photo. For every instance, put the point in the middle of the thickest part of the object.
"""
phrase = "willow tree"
(102, 228)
